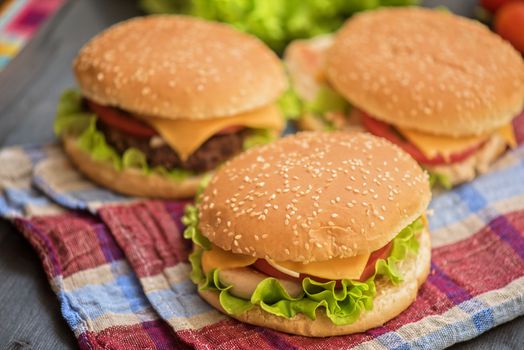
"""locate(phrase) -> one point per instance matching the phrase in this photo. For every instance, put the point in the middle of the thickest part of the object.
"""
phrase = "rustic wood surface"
(29, 88)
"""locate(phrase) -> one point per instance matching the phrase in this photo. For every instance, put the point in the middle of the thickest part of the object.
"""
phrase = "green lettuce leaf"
(290, 104)
(230, 303)
(192, 232)
(197, 275)
(134, 158)
(190, 218)
(327, 100)
(258, 137)
(276, 22)
(93, 142)
(71, 118)
(341, 305)
(437, 179)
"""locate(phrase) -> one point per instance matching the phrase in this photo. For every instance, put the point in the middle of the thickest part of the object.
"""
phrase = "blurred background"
(273, 21)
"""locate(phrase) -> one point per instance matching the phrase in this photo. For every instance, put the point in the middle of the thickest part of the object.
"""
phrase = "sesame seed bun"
(129, 181)
(313, 196)
(427, 70)
(390, 301)
(179, 67)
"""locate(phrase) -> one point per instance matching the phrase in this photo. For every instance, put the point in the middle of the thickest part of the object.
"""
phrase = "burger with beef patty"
(316, 234)
(165, 99)
(442, 87)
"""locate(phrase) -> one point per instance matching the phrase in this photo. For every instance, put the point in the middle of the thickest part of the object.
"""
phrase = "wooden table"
(29, 89)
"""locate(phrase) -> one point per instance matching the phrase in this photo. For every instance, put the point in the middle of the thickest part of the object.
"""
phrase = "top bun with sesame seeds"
(313, 197)
(167, 99)
(179, 67)
(427, 70)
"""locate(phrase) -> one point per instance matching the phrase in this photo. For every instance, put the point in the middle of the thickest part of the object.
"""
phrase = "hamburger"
(163, 100)
(442, 87)
(316, 234)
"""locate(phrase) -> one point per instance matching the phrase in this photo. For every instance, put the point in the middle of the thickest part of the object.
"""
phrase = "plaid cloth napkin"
(121, 275)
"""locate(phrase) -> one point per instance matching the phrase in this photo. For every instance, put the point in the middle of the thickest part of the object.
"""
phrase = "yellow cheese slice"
(217, 258)
(508, 134)
(425, 220)
(186, 136)
(335, 269)
(433, 145)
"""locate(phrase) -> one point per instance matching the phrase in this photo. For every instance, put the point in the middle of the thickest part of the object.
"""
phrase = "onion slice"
(283, 269)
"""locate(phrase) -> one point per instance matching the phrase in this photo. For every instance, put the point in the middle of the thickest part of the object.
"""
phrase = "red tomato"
(493, 5)
(126, 123)
(264, 267)
(122, 121)
(381, 129)
(382, 253)
(509, 23)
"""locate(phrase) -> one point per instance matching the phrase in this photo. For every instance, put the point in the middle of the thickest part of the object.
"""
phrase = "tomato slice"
(382, 253)
(125, 122)
(121, 121)
(381, 129)
(263, 266)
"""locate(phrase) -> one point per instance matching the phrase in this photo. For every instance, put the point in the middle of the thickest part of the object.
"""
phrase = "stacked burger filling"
(172, 97)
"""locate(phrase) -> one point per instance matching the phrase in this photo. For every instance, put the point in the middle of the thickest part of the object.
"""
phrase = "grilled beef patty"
(213, 152)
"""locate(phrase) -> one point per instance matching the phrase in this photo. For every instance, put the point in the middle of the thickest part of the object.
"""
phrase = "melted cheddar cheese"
(186, 136)
(217, 258)
(335, 269)
(434, 145)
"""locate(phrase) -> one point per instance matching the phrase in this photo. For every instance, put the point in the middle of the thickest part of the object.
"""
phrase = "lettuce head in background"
(275, 22)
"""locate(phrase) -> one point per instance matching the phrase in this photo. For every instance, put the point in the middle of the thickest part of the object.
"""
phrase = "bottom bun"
(389, 302)
(129, 181)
